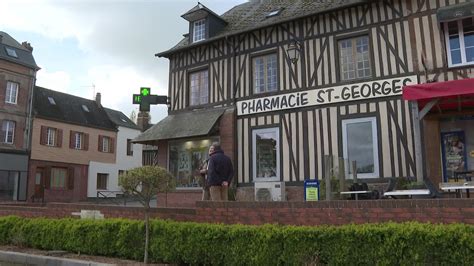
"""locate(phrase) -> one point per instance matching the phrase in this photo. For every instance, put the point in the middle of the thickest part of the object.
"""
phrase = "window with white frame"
(199, 30)
(265, 73)
(360, 144)
(51, 137)
(199, 87)
(8, 132)
(11, 93)
(105, 144)
(266, 154)
(354, 58)
(78, 140)
(459, 36)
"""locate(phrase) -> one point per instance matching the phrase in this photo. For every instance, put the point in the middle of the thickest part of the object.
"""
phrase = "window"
(11, 52)
(199, 87)
(106, 144)
(102, 181)
(266, 154)
(265, 73)
(359, 142)
(129, 147)
(58, 177)
(199, 31)
(354, 59)
(459, 36)
(78, 140)
(51, 100)
(8, 132)
(273, 13)
(85, 108)
(51, 137)
(185, 159)
(12, 92)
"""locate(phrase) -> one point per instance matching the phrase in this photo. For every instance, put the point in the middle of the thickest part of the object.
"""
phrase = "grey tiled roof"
(252, 15)
(25, 57)
(183, 125)
(68, 109)
(120, 119)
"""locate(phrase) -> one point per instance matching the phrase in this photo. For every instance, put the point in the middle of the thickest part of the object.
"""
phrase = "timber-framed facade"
(402, 40)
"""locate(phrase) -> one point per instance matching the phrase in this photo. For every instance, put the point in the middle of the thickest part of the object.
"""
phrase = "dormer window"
(11, 52)
(199, 30)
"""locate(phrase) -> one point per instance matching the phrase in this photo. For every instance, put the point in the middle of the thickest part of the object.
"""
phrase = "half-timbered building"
(281, 84)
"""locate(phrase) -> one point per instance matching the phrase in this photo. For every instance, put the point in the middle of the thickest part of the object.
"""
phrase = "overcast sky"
(106, 44)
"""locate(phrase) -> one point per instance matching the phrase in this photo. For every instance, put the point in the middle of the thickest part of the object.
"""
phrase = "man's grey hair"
(217, 146)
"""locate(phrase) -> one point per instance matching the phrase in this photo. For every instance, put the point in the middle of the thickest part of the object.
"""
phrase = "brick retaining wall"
(292, 213)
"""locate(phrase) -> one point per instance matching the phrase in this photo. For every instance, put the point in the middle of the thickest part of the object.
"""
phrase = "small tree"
(145, 182)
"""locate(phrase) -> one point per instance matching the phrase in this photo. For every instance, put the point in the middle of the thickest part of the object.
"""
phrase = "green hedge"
(195, 243)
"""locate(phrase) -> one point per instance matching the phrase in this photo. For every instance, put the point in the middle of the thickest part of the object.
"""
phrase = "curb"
(30, 259)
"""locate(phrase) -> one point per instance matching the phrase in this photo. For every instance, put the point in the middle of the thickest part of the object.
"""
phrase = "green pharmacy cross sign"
(145, 98)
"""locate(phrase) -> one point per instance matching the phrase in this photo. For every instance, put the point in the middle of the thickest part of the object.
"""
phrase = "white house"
(103, 177)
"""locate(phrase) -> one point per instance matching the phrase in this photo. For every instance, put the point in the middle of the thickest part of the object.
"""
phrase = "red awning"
(439, 89)
(449, 95)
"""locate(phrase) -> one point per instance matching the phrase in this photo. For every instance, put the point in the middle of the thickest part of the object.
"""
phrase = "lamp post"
(293, 51)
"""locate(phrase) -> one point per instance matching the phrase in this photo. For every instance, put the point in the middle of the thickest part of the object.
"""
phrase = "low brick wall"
(65, 210)
(290, 213)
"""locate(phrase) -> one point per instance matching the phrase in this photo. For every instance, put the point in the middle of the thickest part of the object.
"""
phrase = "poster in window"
(453, 153)
(184, 161)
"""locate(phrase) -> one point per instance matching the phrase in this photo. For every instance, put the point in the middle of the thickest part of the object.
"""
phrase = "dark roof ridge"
(337, 5)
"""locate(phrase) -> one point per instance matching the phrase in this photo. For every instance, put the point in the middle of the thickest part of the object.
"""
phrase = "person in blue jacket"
(219, 173)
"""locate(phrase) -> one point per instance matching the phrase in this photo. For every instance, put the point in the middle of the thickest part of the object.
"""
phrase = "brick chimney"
(143, 120)
(28, 46)
(98, 98)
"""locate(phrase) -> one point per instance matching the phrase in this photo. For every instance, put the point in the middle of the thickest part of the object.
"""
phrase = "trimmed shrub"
(216, 244)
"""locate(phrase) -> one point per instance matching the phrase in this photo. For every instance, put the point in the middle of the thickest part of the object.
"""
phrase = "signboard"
(344, 93)
(145, 99)
(311, 190)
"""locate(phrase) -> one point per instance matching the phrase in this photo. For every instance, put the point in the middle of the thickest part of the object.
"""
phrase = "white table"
(356, 193)
(458, 188)
(408, 192)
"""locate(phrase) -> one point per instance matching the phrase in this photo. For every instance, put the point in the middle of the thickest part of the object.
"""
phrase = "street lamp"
(293, 51)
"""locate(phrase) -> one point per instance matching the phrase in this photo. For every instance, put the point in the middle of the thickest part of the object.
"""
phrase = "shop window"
(58, 178)
(199, 87)
(9, 182)
(265, 73)
(266, 154)
(8, 132)
(459, 36)
(199, 30)
(354, 58)
(360, 144)
(102, 181)
(185, 159)
(11, 93)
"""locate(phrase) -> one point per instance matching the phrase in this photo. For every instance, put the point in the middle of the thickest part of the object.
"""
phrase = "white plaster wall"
(123, 162)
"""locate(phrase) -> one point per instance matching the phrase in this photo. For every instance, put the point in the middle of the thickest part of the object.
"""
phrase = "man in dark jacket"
(219, 173)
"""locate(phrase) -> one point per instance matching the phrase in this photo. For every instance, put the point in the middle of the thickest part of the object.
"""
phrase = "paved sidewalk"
(15, 258)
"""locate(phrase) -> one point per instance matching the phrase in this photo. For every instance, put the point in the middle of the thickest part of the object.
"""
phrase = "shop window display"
(185, 159)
